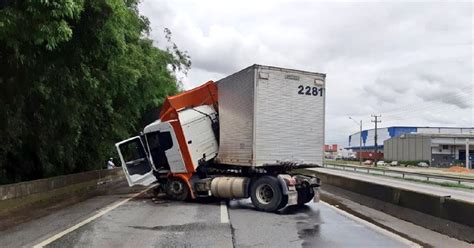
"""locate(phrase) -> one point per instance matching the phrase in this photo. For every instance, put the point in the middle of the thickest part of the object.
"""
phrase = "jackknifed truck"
(243, 136)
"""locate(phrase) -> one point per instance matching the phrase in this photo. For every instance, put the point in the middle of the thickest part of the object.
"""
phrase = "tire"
(305, 195)
(283, 202)
(266, 194)
(177, 189)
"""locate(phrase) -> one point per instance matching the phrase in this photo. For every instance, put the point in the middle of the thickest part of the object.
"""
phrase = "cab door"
(170, 145)
(136, 165)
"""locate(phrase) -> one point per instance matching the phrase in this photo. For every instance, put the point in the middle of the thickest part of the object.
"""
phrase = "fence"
(403, 174)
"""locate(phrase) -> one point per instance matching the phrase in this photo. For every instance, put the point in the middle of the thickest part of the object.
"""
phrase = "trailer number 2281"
(307, 90)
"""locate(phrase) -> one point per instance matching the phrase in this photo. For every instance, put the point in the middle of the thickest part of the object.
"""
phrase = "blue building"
(368, 141)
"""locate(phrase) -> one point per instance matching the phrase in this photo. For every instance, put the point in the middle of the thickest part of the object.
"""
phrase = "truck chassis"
(270, 187)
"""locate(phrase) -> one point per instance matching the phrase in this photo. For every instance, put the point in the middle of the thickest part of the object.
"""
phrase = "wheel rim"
(176, 188)
(265, 193)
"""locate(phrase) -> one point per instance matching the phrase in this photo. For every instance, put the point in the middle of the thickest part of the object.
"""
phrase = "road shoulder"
(349, 201)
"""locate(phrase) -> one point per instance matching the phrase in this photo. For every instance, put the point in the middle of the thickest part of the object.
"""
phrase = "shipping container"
(270, 115)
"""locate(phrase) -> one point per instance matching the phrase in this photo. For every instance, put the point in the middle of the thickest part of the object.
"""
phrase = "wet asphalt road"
(312, 225)
(144, 222)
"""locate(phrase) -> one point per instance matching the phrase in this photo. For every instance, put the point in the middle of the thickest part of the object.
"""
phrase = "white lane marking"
(224, 213)
(88, 220)
(374, 227)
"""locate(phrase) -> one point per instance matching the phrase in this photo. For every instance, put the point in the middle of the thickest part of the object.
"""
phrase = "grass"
(444, 184)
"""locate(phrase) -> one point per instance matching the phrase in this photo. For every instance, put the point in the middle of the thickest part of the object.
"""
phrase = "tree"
(76, 77)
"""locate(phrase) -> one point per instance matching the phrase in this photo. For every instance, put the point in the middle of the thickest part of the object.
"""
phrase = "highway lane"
(36, 224)
(145, 221)
(312, 225)
(142, 223)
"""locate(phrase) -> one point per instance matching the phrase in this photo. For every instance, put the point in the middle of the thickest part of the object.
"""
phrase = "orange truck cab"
(173, 146)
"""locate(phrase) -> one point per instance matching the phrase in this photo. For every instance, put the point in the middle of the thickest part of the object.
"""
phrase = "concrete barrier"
(19, 195)
(439, 206)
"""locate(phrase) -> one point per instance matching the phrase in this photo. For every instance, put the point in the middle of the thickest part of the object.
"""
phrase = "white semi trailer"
(242, 136)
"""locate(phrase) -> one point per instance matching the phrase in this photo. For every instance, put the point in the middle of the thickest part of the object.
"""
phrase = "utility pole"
(376, 120)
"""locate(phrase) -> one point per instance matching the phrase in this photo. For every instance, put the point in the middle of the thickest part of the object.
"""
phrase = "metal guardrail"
(403, 174)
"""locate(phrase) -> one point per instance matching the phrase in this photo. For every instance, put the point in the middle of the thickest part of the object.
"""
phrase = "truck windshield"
(159, 142)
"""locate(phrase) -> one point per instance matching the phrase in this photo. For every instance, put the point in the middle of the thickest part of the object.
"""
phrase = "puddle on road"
(308, 224)
(196, 226)
(309, 232)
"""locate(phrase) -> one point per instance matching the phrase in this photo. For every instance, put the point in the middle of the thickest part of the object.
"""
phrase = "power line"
(433, 104)
(414, 112)
(445, 96)
(419, 111)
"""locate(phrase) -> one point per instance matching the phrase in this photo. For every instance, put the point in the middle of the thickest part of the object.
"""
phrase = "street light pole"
(360, 140)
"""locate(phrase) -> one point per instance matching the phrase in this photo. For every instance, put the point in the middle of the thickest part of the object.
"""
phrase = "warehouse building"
(368, 141)
(440, 150)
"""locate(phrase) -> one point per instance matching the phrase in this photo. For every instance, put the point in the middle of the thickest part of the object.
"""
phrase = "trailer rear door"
(135, 162)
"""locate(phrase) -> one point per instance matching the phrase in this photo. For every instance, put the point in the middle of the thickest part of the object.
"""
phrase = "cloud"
(444, 82)
(412, 62)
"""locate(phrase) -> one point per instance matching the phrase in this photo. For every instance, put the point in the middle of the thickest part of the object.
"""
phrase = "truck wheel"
(305, 195)
(266, 194)
(284, 202)
(177, 189)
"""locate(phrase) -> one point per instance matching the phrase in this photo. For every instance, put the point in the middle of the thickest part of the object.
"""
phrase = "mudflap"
(287, 190)
(292, 198)
(312, 182)
(317, 196)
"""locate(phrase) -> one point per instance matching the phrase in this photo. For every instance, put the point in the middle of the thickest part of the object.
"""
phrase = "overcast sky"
(410, 62)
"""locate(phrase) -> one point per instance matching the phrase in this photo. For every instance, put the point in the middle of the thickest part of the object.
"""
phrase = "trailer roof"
(275, 68)
(288, 70)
